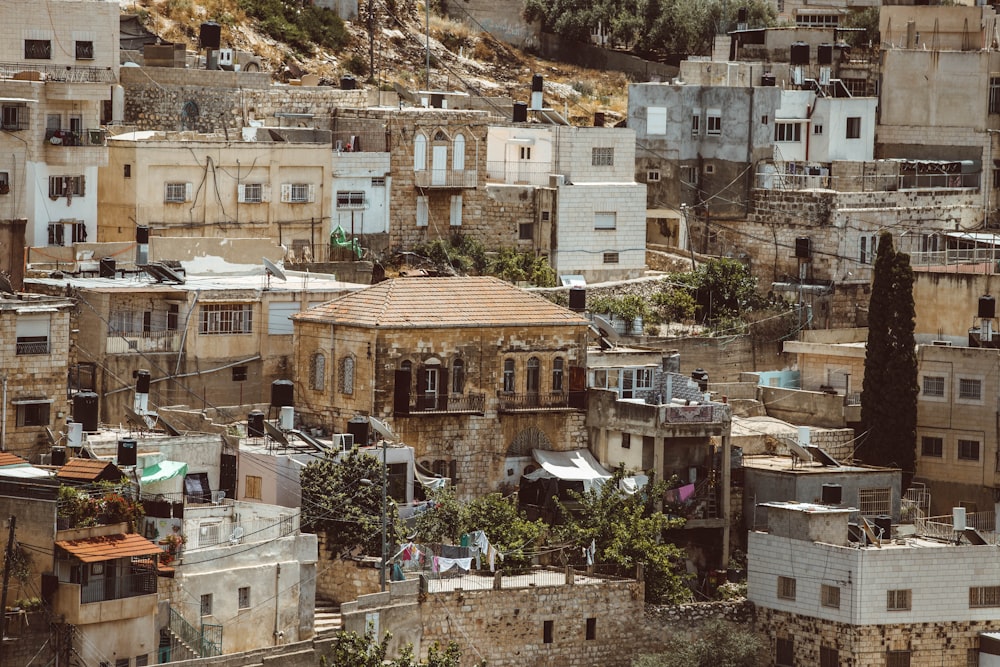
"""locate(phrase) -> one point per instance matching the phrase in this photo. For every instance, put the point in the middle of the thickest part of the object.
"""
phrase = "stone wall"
(688, 616)
(33, 638)
(342, 580)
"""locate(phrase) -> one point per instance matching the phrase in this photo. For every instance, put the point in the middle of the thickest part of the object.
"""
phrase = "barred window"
(253, 193)
(66, 186)
(830, 596)
(175, 193)
(994, 94)
(300, 193)
(786, 588)
(970, 389)
(984, 596)
(872, 502)
(968, 450)
(244, 597)
(226, 318)
(897, 659)
(829, 657)
(933, 385)
(898, 600)
(317, 371)
(347, 375)
(602, 156)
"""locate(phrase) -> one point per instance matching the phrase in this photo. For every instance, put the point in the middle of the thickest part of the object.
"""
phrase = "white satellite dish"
(383, 429)
(273, 269)
(607, 328)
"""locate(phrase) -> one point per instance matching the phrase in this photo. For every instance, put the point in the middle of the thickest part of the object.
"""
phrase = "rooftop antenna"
(272, 269)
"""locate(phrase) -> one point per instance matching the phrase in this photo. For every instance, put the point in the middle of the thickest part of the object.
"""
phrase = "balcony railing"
(558, 400)
(143, 341)
(519, 172)
(67, 73)
(128, 586)
(32, 347)
(87, 137)
(360, 142)
(689, 414)
(446, 178)
(451, 404)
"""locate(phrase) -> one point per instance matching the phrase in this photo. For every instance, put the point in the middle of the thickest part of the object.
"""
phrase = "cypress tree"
(889, 393)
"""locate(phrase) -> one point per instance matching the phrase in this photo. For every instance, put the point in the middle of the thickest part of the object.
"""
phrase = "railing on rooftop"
(360, 142)
(866, 183)
(943, 527)
(84, 137)
(519, 172)
(958, 256)
(64, 73)
(117, 588)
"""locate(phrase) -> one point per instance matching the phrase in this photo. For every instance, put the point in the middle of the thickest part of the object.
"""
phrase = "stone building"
(57, 74)
(824, 600)
(35, 350)
(469, 371)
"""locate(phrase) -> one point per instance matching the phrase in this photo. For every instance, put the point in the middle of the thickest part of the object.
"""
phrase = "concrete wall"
(501, 19)
(812, 408)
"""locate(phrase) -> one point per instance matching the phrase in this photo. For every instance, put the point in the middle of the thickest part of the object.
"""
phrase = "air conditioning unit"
(557, 180)
(343, 442)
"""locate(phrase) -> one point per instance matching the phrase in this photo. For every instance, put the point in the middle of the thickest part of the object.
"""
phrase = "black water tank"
(700, 375)
(142, 234)
(107, 267)
(832, 494)
(358, 427)
(882, 525)
(824, 54)
(768, 80)
(255, 424)
(348, 83)
(210, 35)
(578, 299)
(803, 247)
(520, 112)
(800, 53)
(126, 451)
(537, 83)
(85, 410)
(142, 382)
(282, 393)
(987, 307)
(58, 456)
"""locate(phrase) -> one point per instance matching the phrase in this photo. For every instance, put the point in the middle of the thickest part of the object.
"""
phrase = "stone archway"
(527, 439)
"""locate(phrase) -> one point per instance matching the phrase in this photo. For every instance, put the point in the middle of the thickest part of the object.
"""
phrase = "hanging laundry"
(686, 492)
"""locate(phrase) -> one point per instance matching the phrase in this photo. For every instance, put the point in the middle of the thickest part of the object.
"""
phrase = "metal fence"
(775, 180)
(117, 588)
(67, 73)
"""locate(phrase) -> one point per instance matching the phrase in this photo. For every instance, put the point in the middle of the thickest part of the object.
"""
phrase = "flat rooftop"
(790, 464)
(475, 581)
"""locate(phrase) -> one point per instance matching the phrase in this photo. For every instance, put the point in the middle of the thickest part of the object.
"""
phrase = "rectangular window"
(931, 445)
(970, 389)
(653, 176)
(968, 450)
(423, 211)
(714, 125)
(252, 488)
(176, 193)
(784, 653)
(244, 597)
(4, 183)
(788, 132)
(898, 600)
(591, 628)
(872, 502)
(933, 385)
(127, 171)
(546, 216)
(38, 49)
(455, 217)
(206, 604)
(656, 120)
(524, 153)
(610, 258)
(33, 414)
(14, 117)
(695, 123)
(57, 233)
(786, 588)
(817, 129)
(626, 440)
(547, 628)
(84, 50)
(526, 231)
(350, 200)
(378, 181)
(995, 94)
(828, 657)
(603, 156)
(605, 220)
(854, 127)
(66, 186)
(142, 660)
(897, 659)
(644, 378)
(122, 662)
(984, 596)
(251, 193)
(225, 318)
(830, 596)
(297, 193)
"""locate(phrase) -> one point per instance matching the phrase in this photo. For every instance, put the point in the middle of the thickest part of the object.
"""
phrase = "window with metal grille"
(84, 50)
(526, 231)
(932, 445)
(226, 318)
(653, 176)
(830, 596)
(784, 653)
(33, 414)
(872, 502)
(347, 375)
(142, 660)
(897, 659)
(602, 156)
(626, 440)
(378, 181)
(253, 193)
(970, 389)
(786, 588)
(14, 117)
(984, 596)
(209, 534)
(206, 604)
(244, 597)
(38, 49)
(122, 662)
(714, 125)
(695, 122)
(788, 132)
(933, 385)
(610, 258)
(175, 193)
(829, 657)
(350, 199)
(994, 94)
(968, 450)
(898, 600)
(299, 193)
(317, 372)
(252, 489)
(66, 186)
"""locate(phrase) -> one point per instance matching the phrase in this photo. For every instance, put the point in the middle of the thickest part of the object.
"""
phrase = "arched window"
(557, 374)
(347, 375)
(458, 153)
(508, 376)
(532, 377)
(317, 372)
(419, 153)
(457, 376)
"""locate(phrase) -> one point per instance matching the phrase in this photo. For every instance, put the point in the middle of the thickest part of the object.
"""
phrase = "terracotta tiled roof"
(109, 547)
(84, 470)
(442, 302)
(8, 459)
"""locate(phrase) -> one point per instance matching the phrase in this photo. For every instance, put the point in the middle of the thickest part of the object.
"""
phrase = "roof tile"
(109, 547)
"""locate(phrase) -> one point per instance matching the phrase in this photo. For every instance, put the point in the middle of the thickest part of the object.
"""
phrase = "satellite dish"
(273, 269)
(607, 329)
(798, 450)
(383, 429)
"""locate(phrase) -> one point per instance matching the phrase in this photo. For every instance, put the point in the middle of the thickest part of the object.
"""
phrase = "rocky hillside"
(461, 58)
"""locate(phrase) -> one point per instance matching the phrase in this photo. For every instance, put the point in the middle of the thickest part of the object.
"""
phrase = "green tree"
(344, 499)
(867, 20)
(443, 521)
(507, 527)
(353, 650)
(889, 390)
(721, 288)
(627, 530)
(716, 644)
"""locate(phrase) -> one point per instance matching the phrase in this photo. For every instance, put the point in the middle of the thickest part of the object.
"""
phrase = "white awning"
(579, 465)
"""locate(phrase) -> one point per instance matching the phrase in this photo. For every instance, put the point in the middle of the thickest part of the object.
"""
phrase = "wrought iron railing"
(67, 73)
(453, 403)
(33, 347)
(446, 178)
(510, 402)
(87, 137)
(205, 642)
(143, 341)
(117, 588)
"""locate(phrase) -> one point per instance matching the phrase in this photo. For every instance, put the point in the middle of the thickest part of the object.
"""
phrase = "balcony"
(116, 599)
(27, 346)
(143, 342)
(67, 138)
(60, 73)
(519, 172)
(446, 178)
(439, 404)
(128, 586)
(76, 147)
(540, 401)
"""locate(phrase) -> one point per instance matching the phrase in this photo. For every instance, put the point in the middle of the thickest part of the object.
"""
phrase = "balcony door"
(439, 165)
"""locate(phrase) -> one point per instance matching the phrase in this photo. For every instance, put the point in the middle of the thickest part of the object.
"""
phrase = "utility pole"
(385, 519)
(8, 557)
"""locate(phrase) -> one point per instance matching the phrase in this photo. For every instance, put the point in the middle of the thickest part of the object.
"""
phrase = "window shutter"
(286, 192)
(456, 211)
(458, 153)
(422, 212)
(419, 153)
(188, 192)
(241, 193)
(265, 192)
(82, 190)
(312, 193)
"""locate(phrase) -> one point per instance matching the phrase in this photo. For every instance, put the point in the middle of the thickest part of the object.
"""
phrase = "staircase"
(327, 617)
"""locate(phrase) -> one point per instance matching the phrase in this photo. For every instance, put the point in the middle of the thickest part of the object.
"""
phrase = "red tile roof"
(109, 547)
(8, 459)
(433, 303)
(86, 470)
